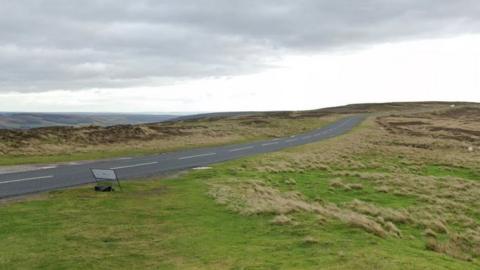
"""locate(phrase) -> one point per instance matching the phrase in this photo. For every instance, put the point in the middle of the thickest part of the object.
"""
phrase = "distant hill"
(35, 120)
(93, 136)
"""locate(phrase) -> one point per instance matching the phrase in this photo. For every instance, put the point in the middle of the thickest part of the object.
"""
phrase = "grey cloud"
(56, 44)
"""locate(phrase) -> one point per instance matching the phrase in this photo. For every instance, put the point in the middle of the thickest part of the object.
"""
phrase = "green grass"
(94, 155)
(18, 160)
(174, 224)
(316, 186)
(442, 170)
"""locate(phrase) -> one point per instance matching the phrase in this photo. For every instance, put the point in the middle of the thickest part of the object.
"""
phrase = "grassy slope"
(60, 144)
(174, 224)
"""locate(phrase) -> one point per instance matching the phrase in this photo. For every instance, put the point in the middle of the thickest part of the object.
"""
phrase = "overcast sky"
(217, 55)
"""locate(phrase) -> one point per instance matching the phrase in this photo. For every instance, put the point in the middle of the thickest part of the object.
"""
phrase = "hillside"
(52, 144)
(398, 192)
(36, 120)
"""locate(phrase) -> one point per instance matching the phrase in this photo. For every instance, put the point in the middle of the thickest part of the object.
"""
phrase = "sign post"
(105, 175)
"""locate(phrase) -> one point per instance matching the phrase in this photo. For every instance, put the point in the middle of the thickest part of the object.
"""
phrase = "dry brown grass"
(389, 153)
(156, 137)
(386, 214)
(254, 197)
(281, 220)
(310, 240)
(458, 246)
(338, 183)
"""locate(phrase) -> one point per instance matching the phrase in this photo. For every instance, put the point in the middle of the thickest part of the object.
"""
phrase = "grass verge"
(174, 224)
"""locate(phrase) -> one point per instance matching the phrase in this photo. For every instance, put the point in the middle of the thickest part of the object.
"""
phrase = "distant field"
(399, 192)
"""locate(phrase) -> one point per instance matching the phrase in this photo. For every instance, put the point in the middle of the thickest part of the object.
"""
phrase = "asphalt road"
(62, 176)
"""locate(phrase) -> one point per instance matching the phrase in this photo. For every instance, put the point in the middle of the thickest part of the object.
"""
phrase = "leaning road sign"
(105, 175)
(101, 174)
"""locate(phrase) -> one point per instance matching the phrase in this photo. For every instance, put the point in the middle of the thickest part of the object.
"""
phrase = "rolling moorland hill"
(36, 120)
(398, 192)
(67, 143)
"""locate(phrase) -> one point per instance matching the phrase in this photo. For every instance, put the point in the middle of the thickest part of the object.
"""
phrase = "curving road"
(62, 176)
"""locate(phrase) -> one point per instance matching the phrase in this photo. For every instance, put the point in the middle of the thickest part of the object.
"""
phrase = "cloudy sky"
(217, 55)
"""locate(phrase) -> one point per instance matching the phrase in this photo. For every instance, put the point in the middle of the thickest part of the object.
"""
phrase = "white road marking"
(74, 163)
(47, 167)
(202, 168)
(267, 144)
(195, 156)
(124, 158)
(291, 140)
(240, 149)
(134, 165)
(27, 179)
